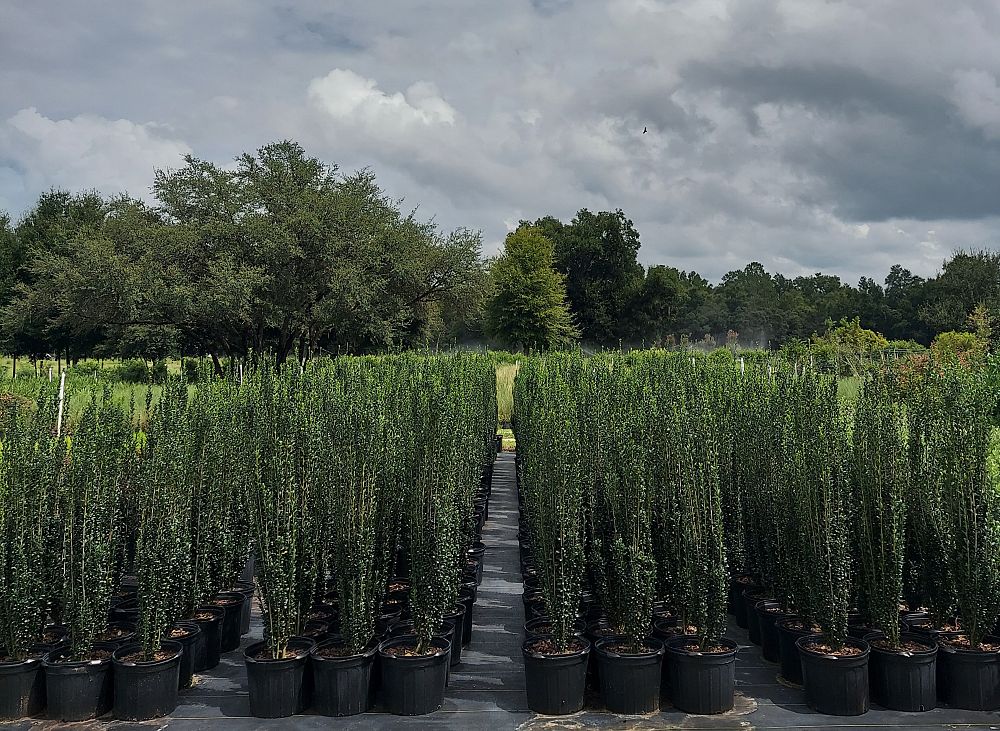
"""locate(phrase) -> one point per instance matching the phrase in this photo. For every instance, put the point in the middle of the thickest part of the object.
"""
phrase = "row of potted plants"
(866, 545)
(857, 542)
(622, 539)
(123, 546)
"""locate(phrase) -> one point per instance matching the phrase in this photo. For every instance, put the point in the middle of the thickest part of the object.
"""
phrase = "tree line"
(282, 252)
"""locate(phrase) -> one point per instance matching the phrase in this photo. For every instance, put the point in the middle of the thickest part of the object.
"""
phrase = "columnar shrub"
(620, 551)
(282, 499)
(548, 440)
(30, 461)
(815, 484)
(881, 481)
(363, 494)
(100, 459)
(163, 542)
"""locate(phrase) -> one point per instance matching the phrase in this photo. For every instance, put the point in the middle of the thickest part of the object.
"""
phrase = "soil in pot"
(146, 689)
(209, 649)
(279, 686)
(702, 679)
(903, 678)
(835, 681)
(79, 690)
(117, 633)
(555, 680)
(413, 684)
(188, 634)
(341, 680)
(542, 627)
(630, 676)
(769, 612)
(231, 603)
(969, 677)
(791, 629)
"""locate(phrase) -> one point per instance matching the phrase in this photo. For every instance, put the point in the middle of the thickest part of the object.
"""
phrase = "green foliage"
(881, 483)
(30, 460)
(620, 547)
(529, 309)
(811, 467)
(550, 477)
(163, 541)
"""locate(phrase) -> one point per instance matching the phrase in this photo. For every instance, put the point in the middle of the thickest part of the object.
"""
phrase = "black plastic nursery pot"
(231, 603)
(22, 688)
(278, 687)
(969, 679)
(630, 682)
(790, 629)
(734, 599)
(125, 611)
(467, 595)
(768, 613)
(555, 682)
(904, 679)
(341, 683)
(188, 634)
(702, 682)
(750, 599)
(835, 684)
(145, 690)
(246, 588)
(413, 685)
(79, 690)
(209, 649)
(457, 617)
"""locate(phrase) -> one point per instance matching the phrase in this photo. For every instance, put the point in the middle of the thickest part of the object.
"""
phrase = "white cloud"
(113, 156)
(348, 97)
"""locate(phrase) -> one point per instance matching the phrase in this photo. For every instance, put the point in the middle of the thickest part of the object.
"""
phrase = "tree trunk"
(216, 364)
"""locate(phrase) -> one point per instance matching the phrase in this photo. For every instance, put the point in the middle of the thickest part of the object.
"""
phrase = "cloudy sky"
(810, 135)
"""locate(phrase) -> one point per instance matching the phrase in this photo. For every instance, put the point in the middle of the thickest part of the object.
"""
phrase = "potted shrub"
(813, 468)
(969, 661)
(363, 502)
(623, 569)
(549, 454)
(30, 460)
(902, 668)
(147, 672)
(282, 508)
(701, 667)
(78, 677)
(414, 666)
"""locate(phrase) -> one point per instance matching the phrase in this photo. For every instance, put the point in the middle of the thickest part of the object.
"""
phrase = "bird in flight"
(644, 130)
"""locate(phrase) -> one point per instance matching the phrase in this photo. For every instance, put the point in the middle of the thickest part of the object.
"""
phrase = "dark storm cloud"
(807, 134)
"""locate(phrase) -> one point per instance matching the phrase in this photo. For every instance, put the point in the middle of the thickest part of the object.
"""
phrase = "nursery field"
(685, 539)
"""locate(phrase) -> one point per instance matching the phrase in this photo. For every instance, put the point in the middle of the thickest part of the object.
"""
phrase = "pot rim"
(368, 652)
(298, 640)
(963, 652)
(527, 651)
(860, 644)
(442, 648)
(133, 647)
(654, 646)
(932, 647)
(48, 662)
(674, 645)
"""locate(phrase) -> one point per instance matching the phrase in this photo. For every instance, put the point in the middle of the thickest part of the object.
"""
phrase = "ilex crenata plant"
(31, 459)
(99, 461)
(880, 471)
(548, 439)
